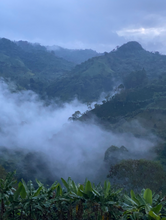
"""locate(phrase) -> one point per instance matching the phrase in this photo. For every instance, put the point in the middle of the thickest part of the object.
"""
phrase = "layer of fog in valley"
(73, 149)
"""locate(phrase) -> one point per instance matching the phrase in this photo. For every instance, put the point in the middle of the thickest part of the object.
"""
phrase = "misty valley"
(83, 133)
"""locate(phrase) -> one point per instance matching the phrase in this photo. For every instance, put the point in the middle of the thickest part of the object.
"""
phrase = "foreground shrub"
(75, 202)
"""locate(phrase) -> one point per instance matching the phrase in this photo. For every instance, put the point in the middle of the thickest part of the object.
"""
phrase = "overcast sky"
(97, 24)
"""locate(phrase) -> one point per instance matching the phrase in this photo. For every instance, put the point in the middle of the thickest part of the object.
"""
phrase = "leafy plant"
(142, 206)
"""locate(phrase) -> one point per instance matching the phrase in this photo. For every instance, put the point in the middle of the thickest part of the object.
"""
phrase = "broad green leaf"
(137, 199)
(147, 208)
(88, 187)
(38, 191)
(69, 181)
(79, 193)
(84, 194)
(107, 186)
(132, 194)
(65, 184)
(141, 200)
(58, 190)
(154, 215)
(86, 180)
(18, 191)
(39, 183)
(25, 186)
(157, 208)
(74, 195)
(148, 196)
(128, 199)
(96, 192)
(54, 186)
(23, 192)
(164, 218)
(74, 186)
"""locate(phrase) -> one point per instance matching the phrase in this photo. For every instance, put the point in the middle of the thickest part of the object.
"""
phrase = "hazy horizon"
(98, 25)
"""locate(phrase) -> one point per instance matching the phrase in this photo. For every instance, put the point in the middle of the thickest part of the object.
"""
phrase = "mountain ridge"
(32, 67)
(100, 74)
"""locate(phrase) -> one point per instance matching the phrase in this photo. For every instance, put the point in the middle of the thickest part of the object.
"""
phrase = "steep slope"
(100, 74)
(144, 105)
(30, 66)
(140, 111)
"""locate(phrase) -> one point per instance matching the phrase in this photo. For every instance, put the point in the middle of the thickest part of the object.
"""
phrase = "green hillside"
(146, 102)
(100, 74)
(30, 66)
(140, 111)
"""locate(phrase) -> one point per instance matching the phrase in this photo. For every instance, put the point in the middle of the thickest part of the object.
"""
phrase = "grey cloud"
(91, 24)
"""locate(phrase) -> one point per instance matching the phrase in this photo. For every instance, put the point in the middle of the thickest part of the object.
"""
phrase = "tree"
(114, 154)
(138, 174)
(75, 116)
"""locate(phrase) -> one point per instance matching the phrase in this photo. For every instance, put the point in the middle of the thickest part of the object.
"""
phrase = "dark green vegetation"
(140, 110)
(29, 164)
(122, 171)
(145, 103)
(130, 173)
(135, 174)
(74, 56)
(30, 66)
(100, 74)
(76, 201)
(138, 107)
(33, 67)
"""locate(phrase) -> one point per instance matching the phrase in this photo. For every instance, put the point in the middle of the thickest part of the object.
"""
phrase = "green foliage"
(137, 174)
(78, 201)
(114, 154)
(143, 206)
(30, 165)
(30, 66)
(135, 79)
(99, 74)
(145, 104)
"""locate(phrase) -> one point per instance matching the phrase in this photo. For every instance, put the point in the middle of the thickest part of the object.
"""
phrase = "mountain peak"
(131, 46)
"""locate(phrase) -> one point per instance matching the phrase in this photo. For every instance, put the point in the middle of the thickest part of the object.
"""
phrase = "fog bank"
(73, 149)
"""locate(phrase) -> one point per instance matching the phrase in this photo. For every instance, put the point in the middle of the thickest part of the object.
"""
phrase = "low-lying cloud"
(73, 149)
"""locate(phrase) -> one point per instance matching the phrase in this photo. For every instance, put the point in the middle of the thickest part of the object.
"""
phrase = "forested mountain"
(100, 74)
(138, 106)
(139, 110)
(146, 103)
(30, 66)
